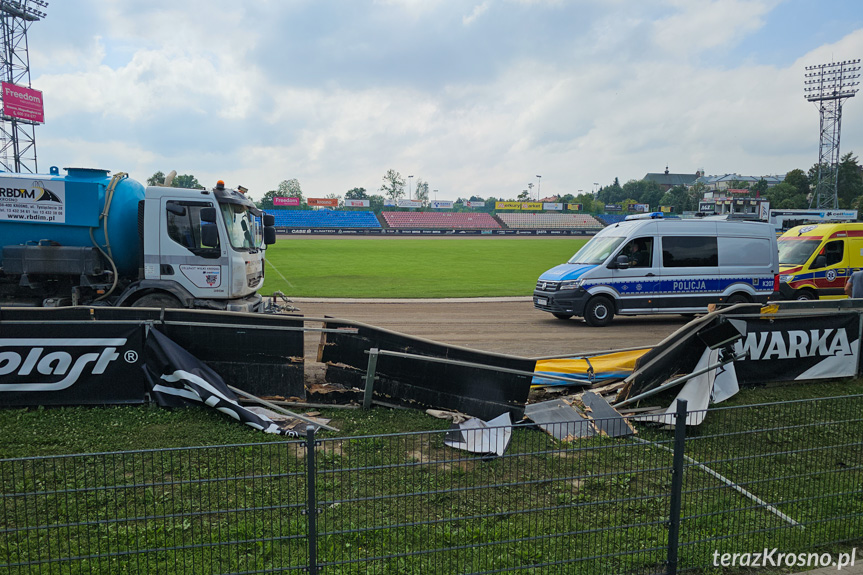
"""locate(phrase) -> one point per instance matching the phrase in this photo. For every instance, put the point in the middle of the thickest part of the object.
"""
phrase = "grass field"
(410, 268)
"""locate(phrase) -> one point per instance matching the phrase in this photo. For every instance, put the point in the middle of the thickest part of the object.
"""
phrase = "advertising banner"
(810, 347)
(641, 208)
(325, 202)
(410, 204)
(31, 200)
(613, 208)
(442, 204)
(707, 207)
(531, 206)
(475, 204)
(356, 203)
(574, 207)
(281, 201)
(667, 209)
(552, 206)
(507, 205)
(389, 202)
(763, 211)
(74, 364)
(22, 103)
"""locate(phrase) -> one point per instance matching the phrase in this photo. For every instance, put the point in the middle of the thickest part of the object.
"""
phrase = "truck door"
(637, 285)
(191, 250)
(829, 270)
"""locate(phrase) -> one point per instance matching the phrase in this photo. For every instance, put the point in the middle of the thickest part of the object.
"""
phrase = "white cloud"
(477, 11)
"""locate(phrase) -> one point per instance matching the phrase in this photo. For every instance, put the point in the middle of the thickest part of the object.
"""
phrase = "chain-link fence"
(783, 475)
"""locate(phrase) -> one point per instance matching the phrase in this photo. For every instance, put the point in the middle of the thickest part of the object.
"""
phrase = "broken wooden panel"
(478, 392)
(560, 419)
(606, 419)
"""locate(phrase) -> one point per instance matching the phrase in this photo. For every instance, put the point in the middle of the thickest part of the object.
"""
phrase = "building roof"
(667, 179)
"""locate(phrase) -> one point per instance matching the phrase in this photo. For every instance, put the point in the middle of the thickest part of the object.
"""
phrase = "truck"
(91, 238)
(816, 260)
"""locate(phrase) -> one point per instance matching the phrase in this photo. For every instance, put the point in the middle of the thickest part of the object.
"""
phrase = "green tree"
(356, 194)
(679, 198)
(187, 181)
(611, 194)
(799, 180)
(156, 179)
(785, 196)
(759, 187)
(287, 189)
(394, 185)
(850, 182)
(376, 203)
(422, 193)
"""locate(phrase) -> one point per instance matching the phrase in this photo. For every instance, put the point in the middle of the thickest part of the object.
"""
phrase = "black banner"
(77, 364)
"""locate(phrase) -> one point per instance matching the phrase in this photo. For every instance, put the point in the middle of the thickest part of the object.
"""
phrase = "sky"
(474, 97)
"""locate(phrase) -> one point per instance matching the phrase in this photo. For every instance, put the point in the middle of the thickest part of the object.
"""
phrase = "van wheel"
(157, 300)
(736, 299)
(805, 295)
(563, 316)
(599, 311)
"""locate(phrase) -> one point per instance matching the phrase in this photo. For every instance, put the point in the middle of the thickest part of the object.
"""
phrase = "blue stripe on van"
(672, 286)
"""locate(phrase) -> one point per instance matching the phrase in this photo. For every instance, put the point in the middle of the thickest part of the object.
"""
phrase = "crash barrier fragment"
(407, 503)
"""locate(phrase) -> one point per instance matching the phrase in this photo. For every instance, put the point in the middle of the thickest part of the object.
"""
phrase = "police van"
(650, 265)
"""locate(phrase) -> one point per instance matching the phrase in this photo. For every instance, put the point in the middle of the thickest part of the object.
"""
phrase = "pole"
(676, 486)
(311, 500)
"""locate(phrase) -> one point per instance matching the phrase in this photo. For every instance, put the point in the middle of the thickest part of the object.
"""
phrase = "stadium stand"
(441, 220)
(609, 219)
(324, 219)
(550, 221)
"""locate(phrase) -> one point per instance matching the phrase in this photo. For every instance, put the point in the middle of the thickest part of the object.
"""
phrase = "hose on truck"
(103, 217)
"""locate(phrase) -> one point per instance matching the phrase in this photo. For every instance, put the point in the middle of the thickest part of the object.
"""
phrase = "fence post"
(370, 377)
(676, 486)
(311, 500)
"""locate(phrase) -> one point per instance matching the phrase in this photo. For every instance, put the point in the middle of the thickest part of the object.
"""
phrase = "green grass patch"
(412, 268)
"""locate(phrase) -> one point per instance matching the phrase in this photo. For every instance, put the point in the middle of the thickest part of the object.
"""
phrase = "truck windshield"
(796, 252)
(243, 230)
(596, 250)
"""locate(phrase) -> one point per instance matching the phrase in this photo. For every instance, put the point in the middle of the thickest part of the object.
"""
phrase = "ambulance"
(815, 261)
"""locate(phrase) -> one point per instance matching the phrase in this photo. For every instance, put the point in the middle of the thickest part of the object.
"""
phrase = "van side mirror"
(820, 262)
(621, 263)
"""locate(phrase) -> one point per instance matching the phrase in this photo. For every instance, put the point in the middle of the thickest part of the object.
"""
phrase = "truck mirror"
(269, 220)
(176, 209)
(209, 234)
(208, 215)
(269, 235)
(820, 262)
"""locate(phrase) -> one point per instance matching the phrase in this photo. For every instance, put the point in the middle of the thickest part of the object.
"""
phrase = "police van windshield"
(243, 230)
(596, 250)
(796, 252)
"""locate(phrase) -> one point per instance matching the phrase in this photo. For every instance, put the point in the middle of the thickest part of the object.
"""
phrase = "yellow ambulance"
(815, 261)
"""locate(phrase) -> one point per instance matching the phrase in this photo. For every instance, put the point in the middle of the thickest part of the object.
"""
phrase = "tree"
(376, 203)
(759, 187)
(850, 182)
(799, 180)
(422, 193)
(524, 196)
(785, 196)
(611, 194)
(679, 197)
(187, 181)
(356, 194)
(156, 179)
(287, 189)
(394, 185)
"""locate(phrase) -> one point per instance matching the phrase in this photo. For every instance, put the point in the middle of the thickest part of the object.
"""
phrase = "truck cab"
(201, 249)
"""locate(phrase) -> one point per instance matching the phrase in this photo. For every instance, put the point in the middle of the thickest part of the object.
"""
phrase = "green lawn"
(408, 268)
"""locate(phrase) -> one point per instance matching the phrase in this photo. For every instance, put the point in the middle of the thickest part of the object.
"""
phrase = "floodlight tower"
(17, 136)
(829, 85)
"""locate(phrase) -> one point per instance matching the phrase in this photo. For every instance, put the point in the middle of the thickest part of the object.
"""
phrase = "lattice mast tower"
(828, 85)
(17, 136)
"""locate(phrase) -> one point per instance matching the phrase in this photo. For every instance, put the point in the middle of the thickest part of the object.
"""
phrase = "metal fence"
(784, 475)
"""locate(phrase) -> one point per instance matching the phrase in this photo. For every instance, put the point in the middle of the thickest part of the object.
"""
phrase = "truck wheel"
(599, 311)
(157, 300)
(736, 299)
(805, 295)
(563, 316)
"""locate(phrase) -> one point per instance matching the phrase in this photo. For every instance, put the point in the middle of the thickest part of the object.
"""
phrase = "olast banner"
(356, 203)
(410, 204)
(280, 201)
(475, 204)
(23, 103)
(390, 202)
(442, 204)
(326, 202)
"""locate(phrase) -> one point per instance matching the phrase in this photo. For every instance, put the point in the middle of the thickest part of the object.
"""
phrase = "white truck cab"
(201, 249)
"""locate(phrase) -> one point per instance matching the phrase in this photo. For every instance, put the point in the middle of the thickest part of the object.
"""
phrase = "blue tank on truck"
(67, 209)
(91, 238)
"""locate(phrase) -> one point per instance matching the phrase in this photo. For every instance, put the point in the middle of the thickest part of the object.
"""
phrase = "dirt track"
(512, 327)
